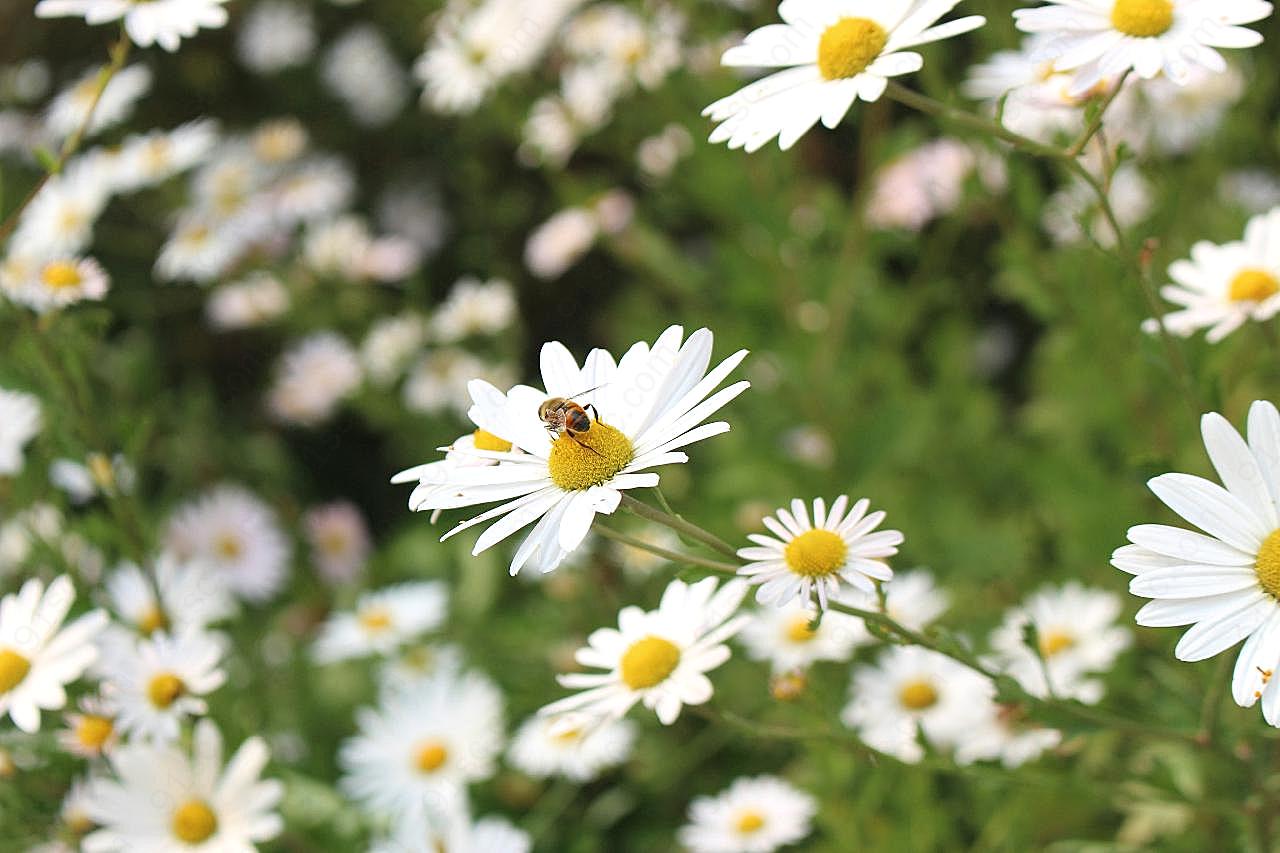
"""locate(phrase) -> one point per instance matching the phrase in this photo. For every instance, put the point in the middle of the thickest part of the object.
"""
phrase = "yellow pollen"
(1253, 285)
(748, 822)
(1142, 18)
(94, 731)
(816, 553)
(165, 689)
(153, 620)
(334, 542)
(375, 619)
(568, 736)
(13, 668)
(194, 822)
(589, 458)
(848, 46)
(228, 546)
(1267, 568)
(61, 275)
(798, 630)
(488, 441)
(1055, 641)
(918, 695)
(430, 756)
(648, 662)
(100, 467)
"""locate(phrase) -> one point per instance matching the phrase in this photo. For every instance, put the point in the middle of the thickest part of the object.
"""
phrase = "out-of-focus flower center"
(165, 689)
(94, 731)
(375, 619)
(1253, 285)
(749, 821)
(918, 695)
(153, 620)
(1267, 568)
(430, 756)
(194, 822)
(798, 630)
(1054, 641)
(13, 668)
(228, 546)
(816, 553)
(589, 458)
(848, 46)
(486, 440)
(61, 275)
(648, 662)
(567, 736)
(1142, 18)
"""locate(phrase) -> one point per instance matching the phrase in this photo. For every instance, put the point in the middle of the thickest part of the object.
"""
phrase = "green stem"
(551, 805)
(673, 556)
(925, 104)
(1212, 704)
(678, 524)
(1077, 148)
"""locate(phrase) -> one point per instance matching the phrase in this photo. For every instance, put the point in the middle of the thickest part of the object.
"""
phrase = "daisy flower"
(382, 621)
(59, 220)
(20, 421)
(486, 835)
(161, 799)
(162, 22)
(415, 754)
(1223, 286)
(1225, 581)
(159, 681)
(782, 636)
(1006, 736)
(1078, 636)
(91, 731)
(178, 598)
(314, 377)
(60, 282)
(236, 535)
(67, 112)
(390, 345)
(913, 599)
(247, 303)
(753, 815)
(339, 540)
(659, 658)
(474, 308)
(912, 690)
(148, 159)
(808, 557)
(574, 746)
(37, 660)
(416, 663)
(1097, 39)
(834, 52)
(647, 406)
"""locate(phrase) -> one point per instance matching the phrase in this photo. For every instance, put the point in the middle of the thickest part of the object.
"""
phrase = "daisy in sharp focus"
(1223, 286)
(1097, 39)
(577, 747)
(162, 22)
(646, 407)
(1224, 582)
(415, 754)
(834, 52)
(20, 421)
(37, 660)
(163, 800)
(157, 682)
(382, 621)
(753, 815)
(659, 658)
(1077, 636)
(815, 556)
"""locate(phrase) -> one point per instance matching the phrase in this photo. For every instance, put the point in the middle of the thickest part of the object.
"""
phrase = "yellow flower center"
(848, 46)
(488, 441)
(648, 662)
(1253, 285)
(1142, 18)
(568, 736)
(1267, 568)
(228, 546)
(94, 731)
(194, 822)
(816, 553)
(153, 620)
(589, 458)
(100, 467)
(918, 695)
(13, 668)
(1054, 641)
(798, 630)
(165, 689)
(61, 275)
(334, 542)
(375, 619)
(748, 822)
(430, 756)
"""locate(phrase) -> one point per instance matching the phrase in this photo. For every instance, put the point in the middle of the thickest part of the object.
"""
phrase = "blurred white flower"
(658, 155)
(390, 345)
(202, 248)
(415, 212)
(40, 523)
(275, 35)
(38, 656)
(577, 749)
(912, 599)
(753, 815)
(1006, 736)
(177, 597)
(20, 421)
(382, 621)
(1130, 197)
(162, 22)
(161, 799)
(1255, 190)
(91, 729)
(55, 283)
(439, 380)
(339, 540)
(236, 535)
(923, 184)
(68, 111)
(147, 159)
(157, 682)
(474, 308)
(782, 636)
(455, 831)
(60, 219)
(252, 301)
(313, 378)
(98, 474)
(560, 242)
(361, 71)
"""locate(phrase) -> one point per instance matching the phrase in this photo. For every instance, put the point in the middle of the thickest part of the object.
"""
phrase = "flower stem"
(673, 556)
(678, 524)
(1077, 148)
